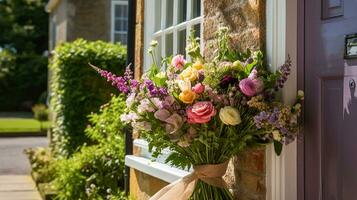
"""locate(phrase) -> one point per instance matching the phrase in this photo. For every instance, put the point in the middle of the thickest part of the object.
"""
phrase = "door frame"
(301, 85)
(282, 41)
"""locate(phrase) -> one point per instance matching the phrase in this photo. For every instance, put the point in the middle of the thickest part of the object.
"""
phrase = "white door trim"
(281, 180)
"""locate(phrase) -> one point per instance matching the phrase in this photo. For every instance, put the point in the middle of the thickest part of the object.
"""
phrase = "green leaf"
(278, 147)
(250, 66)
(160, 79)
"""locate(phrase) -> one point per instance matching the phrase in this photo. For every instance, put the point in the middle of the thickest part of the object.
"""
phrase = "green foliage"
(22, 79)
(40, 112)
(77, 90)
(24, 26)
(107, 124)
(96, 172)
(41, 161)
(23, 40)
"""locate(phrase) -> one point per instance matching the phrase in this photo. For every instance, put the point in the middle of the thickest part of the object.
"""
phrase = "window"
(170, 23)
(119, 21)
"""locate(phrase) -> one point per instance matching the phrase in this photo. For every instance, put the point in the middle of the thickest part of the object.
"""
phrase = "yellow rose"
(187, 96)
(230, 116)
(189, 73)
(197, 65)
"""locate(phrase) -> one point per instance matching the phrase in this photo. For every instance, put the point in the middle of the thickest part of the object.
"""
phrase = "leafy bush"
(40, 112)
(41, 161)
(96, 172)
(23, 78)
(77, 90)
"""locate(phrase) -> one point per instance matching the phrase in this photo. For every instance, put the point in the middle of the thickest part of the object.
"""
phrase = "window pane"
(181, 42)
(182, 10)
(121, 25)
(120, 37)
(197, 28)
(196, 8)
(169, 12)
(157, 15)
(169, 44)
(121, 10)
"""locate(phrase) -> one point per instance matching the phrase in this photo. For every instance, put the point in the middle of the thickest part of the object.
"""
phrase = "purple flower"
(285, 71)
(120, 82)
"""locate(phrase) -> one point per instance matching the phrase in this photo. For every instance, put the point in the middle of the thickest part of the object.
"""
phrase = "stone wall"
(88, 19)
(244, 18)
(246, 21)
(74, 19)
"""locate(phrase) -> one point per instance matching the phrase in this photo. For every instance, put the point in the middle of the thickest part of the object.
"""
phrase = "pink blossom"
(251, 87)
(162, 114)
(248, 87)
(253, 74)
(178, 61)
(200, 112)
(198, 88)
(174, 123)
(259, 84)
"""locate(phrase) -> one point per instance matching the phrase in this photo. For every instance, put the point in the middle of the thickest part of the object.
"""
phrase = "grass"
(19, 125)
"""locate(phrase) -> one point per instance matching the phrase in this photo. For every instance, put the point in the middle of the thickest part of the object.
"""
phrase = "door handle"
(352, 84)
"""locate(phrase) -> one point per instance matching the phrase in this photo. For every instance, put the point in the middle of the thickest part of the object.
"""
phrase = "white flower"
(130, 100)
(154, 43)
(184, 85)
(145, 106)
(276, 135)
(301, 94)
(230, 116)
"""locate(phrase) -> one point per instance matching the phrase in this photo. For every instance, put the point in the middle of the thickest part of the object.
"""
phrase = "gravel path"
(12, 159)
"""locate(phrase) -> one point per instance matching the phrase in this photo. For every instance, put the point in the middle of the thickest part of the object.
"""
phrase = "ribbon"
(183, 188)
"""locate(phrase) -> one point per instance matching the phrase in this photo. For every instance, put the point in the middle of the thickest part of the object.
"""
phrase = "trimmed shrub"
(76, 89)
(96, 172)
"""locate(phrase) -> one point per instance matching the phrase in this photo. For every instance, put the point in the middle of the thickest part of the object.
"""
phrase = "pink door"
(331, 100)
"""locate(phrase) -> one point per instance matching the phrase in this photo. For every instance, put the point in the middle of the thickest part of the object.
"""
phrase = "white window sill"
(158, 169)
(155, 169)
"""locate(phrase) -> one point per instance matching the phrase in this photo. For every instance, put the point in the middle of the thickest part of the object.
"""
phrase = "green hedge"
(96, 172)
(77, 90)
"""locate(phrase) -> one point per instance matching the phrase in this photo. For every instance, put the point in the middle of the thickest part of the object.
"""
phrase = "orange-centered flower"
(187, 96)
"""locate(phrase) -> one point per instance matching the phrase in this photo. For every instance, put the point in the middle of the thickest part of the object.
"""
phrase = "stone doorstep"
(18, 187)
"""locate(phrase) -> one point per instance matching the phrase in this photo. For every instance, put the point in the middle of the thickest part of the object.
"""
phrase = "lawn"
(20, 125)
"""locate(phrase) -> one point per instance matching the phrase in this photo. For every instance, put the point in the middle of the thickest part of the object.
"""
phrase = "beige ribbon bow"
(183, 188)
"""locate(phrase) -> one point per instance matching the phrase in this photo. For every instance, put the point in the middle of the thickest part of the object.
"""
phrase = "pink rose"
(178, 61)
(198, 88)
(200, 112)
(248, 87)
(251, 87)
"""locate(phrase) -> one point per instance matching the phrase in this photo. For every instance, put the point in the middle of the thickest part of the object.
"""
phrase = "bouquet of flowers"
(207, 111)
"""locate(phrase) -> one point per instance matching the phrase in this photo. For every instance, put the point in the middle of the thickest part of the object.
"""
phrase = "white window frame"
(281, 171)
(112, 18)
(150, 33)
